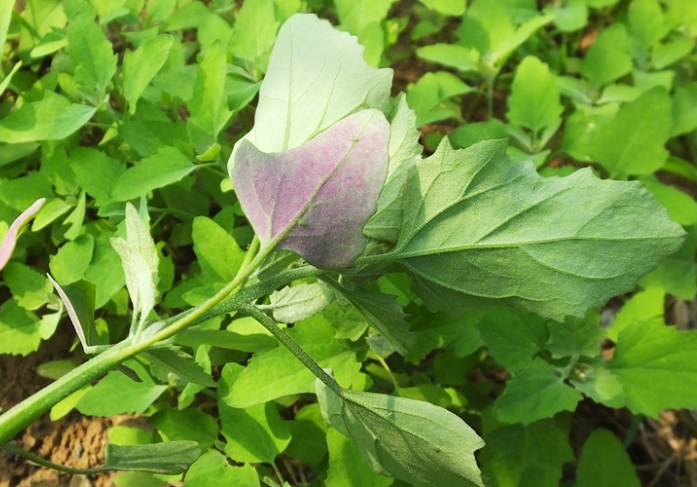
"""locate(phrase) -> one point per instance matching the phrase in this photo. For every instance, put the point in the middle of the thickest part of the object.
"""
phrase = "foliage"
(207, 180)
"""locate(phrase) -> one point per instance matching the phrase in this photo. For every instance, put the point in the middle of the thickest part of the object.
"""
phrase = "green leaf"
(141, 66)
(9, 239)
(254, 434)
(684, 110)
(95, 172)
(208, 108)
(605, 463)
(189, 424)
(677, 274)
(19, 329)
(72, 259)
(633, 142)
(347, 465)
(331, 63)
(52, 118)
(309, 435)
(218, 253)
(474, 234)
(535, 393)
(471, 133)
(296, 303)
(608, 57)
(576, 336)
(165, 167)
(212, 468)
(92, 54)
(601, 385)
(278, 373)
(409, 440)
(429, 97)
(458, 57)
(149, 136)
(5, 16)
(180, 363)
(654, 363)
(140, 261)
(404, 151)
(78, 299)
(569, 15)
(455, 8)
(105, 270)
(254, 31)
(646, 23)
(526, 456)
(682, 208)
(581, 128)
(513, 339)
(663, 55)
(534, 100)
(169, 458)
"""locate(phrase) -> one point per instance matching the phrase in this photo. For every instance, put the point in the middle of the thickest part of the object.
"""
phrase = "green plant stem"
(395, 384)
(294, 348)
(46, 463)
(22, 414)
(632, 431)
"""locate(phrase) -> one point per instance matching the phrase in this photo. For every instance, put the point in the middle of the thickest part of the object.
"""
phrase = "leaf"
(316, 77)
(309, 435)
(534, 100)
(208, 108)
(652, 378)
(458, 57)
(213, 468)
(254, 434)
(141, 66)
(19, 329)
(429, 97)
(513, 339)
(296, 303)
(254, 31)
(347, 466)
(169, 458)
(526, 456)
(278, 373)
(177, 361)
(95, 172)
(570, 15)
(601, 385)
(343, 167)
(105, 270)
(535, 393)
(682, 208)
(117, 394)
(5, 16)
(576, 336)
(467, 135)
(218, 253)
(677, 275)
(404, 151)
(186, 425)
(455, 8)
(475, 234)
(605, 463)
(140, 262)
(684, 109)
(167, 166)
(72, 259)
(9, 240)
(52, 118)
(646, 23)
(608, 58)
(29, 287)
(409, 440)
(92, 54)
(633, 141)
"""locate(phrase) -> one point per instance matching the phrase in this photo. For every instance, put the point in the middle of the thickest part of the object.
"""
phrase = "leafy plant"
(323, 228)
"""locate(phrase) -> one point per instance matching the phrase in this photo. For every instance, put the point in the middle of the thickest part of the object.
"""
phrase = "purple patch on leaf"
(317, 197)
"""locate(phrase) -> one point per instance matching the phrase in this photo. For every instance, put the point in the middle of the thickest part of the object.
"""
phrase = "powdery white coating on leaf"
(318, 196)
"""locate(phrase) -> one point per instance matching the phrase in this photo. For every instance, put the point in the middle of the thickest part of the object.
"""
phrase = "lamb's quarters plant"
(389, 279)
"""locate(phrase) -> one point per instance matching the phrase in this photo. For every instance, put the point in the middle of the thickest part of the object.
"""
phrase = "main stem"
(22, 414)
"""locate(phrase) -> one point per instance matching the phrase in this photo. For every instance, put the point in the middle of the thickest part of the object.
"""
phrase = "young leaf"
(608, 57)
(537, 392)
(186, 425)
(117, 394)
(633, 142)
(328, 187)
(654, 380)
(476, 232)
(218, 253)
(95, 172)
(52, 118)
(601, 385)
(172, 457)
(305, 94)
(534, 101)
(141, 66)
(19, 329)
(604, 462)
(296, 303)
(140, 264)
(347, 465)
(646, 23)
(254, 31)
(72, 259)
(409, 440)
(213, 468)
(92, 53)
(5, 16)
(8, 242)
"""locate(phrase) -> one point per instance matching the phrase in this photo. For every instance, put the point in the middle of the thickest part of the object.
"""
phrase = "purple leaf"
(314, 199)
(8, 243)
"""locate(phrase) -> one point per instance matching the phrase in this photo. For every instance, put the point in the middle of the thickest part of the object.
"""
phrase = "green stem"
(632, 431)
(46, 463)
(294, 348)
(22, 414)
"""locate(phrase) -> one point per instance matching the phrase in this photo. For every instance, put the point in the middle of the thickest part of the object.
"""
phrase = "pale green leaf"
(601, 385)
(455, 8)
(347, 465)
(535, 393)
(296, 303)
(682, 208)
(92, 53)
(576, 336)
(5, 16)
(254, 31)
(646, 23)
(684, 109)
(72, 259)
(534, 100)
(604, 462)
(212, 468)
(52, 118)
(141, 66)
(451, 55)
(19, 329)
(476, 232)
(608, 58)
